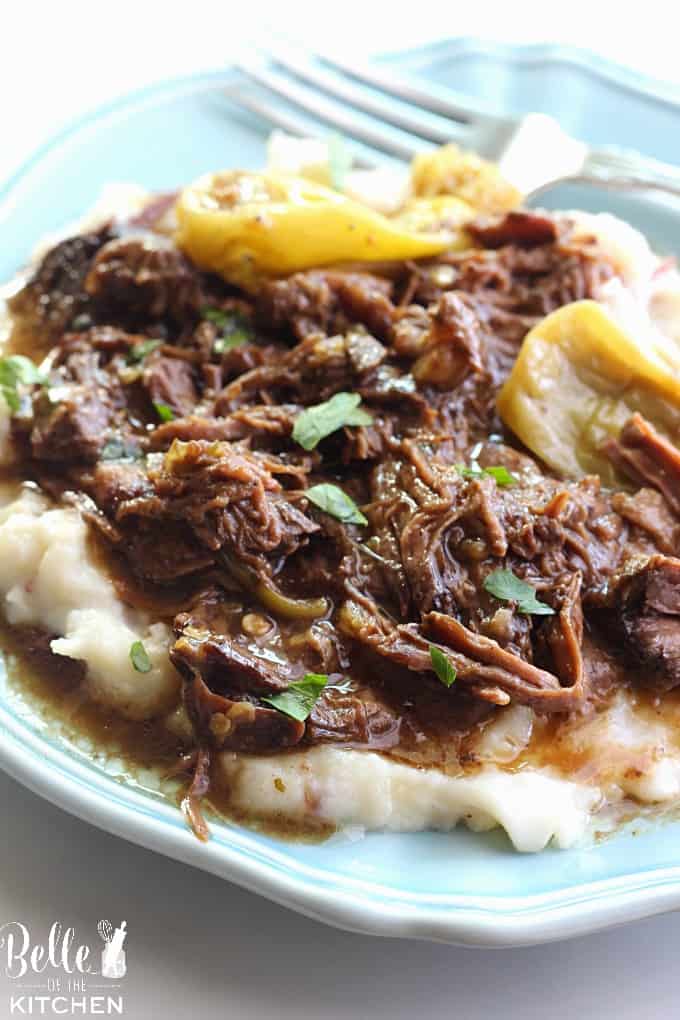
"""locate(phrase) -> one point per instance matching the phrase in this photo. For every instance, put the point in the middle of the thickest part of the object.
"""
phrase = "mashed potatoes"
(48, 579)
(350, 788)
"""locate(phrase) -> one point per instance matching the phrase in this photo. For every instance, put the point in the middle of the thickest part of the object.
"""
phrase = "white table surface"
(198, 947)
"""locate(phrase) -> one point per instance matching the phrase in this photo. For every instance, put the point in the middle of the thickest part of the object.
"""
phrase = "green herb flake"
(15, 370)
(299, 698)
(141, 351)
(332, 500)
(234, 339)
(120, 449)
(81, 322)
(234, 327)
(319, 421)
(139, 657)
(164, 411)
(500, 473)
(504, 585)
(442, 666)
(339, 161)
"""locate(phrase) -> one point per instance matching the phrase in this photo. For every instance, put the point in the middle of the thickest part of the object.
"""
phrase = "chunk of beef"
(228, 500)
(143, 279)
(236, 724)
(453, 345)
(345, 718)
(73, 430)
(645, 614)
(314, 370)
(55, 295)
(525, 229)
(326, 301)
(646, 457)
(71, 419)
(114, 482)
(513, 286)
(225, 663)
(170, 382)
(161, 551)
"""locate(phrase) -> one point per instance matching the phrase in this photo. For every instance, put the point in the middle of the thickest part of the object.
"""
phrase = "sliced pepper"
(451, 171)
(578, 378)
(247, 226)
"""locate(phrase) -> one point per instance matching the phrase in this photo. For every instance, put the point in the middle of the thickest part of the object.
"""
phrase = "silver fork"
(355, 97)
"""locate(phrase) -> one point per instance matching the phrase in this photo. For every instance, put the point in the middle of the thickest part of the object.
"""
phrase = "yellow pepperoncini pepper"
(451, 171)
(249, 226)
(432, 215)
(578, 379)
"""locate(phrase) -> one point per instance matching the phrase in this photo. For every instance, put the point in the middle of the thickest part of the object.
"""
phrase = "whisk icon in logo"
(113, 954)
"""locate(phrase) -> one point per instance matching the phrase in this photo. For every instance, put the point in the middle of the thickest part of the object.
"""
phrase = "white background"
(198, 947)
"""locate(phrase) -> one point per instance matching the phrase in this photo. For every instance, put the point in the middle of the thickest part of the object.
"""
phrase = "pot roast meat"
(452, 346)
(326, 301)
(643, 611)
(210, 510)
(525, 229)
(236, 725)
(257, 423)
(170, 382)
(644, 455)
(55, 295)
(73, 429)
(143, 278)
(215, 501)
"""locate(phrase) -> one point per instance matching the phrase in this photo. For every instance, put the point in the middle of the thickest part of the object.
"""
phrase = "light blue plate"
(458, 887)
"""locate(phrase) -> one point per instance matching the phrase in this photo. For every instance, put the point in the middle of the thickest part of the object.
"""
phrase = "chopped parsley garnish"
(81, 322)
(120, 449)
(16, 369)
(164, 411)
(442, 666)
(500, 473)
(227, 343)
(299, 698)
(332, 500)
(339, 161)
(139, 657)
(315, 423)
(509, 588)
(215, 315)
(141, 351)
(234, 328)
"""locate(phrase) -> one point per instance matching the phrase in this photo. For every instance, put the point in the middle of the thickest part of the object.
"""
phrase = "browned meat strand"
(170, 417)
(648, 458)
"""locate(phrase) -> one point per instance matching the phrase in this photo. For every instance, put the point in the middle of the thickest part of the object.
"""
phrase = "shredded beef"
(646, 457)
(179, 450)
